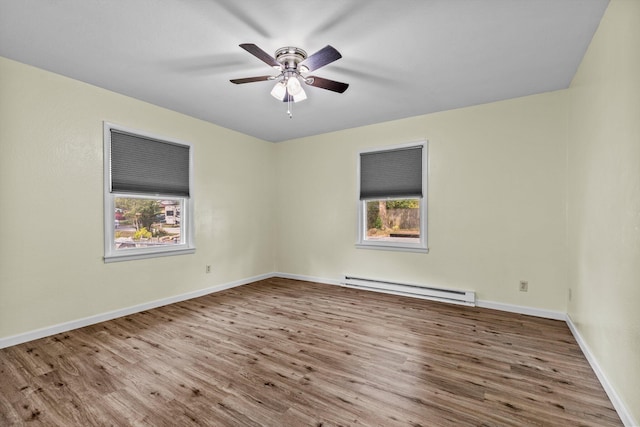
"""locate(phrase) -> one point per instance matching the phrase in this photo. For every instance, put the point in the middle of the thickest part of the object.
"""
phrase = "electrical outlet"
(208, 269)
(524, 286)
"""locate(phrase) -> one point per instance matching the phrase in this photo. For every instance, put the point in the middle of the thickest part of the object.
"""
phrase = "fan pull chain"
(289, 106)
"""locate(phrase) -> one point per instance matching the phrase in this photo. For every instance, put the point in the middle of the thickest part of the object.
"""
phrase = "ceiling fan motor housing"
(289, 57)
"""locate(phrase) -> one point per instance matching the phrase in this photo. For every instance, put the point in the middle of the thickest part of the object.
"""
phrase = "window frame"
(362, 242)
(187, 243)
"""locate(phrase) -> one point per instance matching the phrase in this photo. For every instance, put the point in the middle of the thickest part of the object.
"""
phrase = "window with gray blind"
(148, 195)
(392, 192)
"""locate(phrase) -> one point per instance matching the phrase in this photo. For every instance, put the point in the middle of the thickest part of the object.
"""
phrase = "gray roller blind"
(150, 166)
(393, 173)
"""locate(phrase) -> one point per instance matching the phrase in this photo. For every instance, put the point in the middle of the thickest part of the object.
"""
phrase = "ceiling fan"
(293, 65)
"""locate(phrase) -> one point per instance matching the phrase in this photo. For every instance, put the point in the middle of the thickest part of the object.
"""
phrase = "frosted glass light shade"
(279, 91)
(300, 96)
(293, 86)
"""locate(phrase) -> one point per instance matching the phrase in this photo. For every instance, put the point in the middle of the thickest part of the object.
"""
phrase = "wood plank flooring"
(282, 352)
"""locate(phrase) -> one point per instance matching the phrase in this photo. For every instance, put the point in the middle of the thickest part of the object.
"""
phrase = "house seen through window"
(144, 223)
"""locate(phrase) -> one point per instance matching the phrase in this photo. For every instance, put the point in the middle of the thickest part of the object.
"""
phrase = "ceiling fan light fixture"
(300, 96)
(279, 91)
(293, 85)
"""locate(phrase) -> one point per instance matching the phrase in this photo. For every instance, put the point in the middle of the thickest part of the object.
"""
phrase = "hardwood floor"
(288, 353)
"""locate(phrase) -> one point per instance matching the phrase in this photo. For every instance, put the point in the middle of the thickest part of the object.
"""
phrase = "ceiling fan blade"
(251, 79)
(260, 54)
(326, 84)
(324, 56)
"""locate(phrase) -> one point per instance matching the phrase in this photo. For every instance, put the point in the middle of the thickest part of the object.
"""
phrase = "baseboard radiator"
(437, 294)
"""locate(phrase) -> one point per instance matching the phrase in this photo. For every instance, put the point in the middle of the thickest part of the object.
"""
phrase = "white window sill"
(133, 255)
(392, 247)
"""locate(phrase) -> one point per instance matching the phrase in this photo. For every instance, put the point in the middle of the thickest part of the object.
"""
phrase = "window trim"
(362, 242)
(187, 246)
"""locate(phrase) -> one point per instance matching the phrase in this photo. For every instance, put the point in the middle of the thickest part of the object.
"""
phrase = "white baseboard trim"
(80, 323)
(520, 309)
(621, 408)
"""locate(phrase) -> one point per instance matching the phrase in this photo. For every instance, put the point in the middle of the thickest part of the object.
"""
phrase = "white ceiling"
(401, 58)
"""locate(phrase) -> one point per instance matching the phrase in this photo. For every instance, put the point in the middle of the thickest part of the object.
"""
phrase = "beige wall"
(496, 202)
(604, 199)
(51, 198)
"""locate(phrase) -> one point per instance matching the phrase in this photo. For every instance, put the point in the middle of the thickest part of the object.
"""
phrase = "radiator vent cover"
(437, 294)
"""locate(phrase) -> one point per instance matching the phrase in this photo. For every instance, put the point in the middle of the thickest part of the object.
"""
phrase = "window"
(147, 196)
(392, 207)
